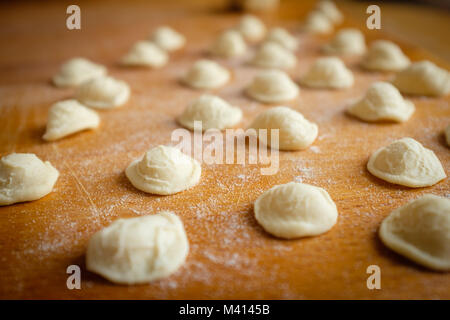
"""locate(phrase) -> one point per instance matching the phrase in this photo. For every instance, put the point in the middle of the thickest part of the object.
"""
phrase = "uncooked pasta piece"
(147, 54)
(420, 231)
(76, 71)
(382, 102)
(103, 93)
(406, 162)
(423, 78)
(206, 74)
(273, 55)
(294, 131)
(317, 23)
(252, 28)
(272, 86)
(164, 170)
(68, 117)
(295, 210)
(329, 9)
(168, 39)
(138, 250)
(283, 38)
(346, 42)
(229, 44)
(212, 111)
(328, 72)
(385, 55)
(25, 177)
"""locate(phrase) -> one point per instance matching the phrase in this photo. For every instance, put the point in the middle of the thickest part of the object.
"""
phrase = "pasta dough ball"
(103, 93)
(447, 135)
(318, 23)
(68, 117)
(76, 71)
(385, 55)
(272, 86)
(423, 78)
(229, 44)
(212, 111)
(346, 42)
(273, 55)
(283, 38)
(206, 74)
(328, 72)
(147, 54)
(329, 9)
(164, 170)
(382, 102)
(406, 162)
(252, 28)
(420, 231)
(138, 250)
(168, 39)
(295, 210)
(295, 132)
(24, 177)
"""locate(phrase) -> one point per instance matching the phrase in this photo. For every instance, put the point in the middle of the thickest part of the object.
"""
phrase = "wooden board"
(230, 255)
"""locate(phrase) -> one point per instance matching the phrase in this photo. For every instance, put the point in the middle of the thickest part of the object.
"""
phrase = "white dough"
(68, 117)
(272, 86)
(138, 250)
(147, 54)
(295, 210)
(346, 42)
(447, 135)
(273, 55)
(25, 177)
(329, 9)
(212, 111)
(283, 38)
(420, 231)
(423, 78)
(406, 162)
(206, 74)
(164, 170)
(76, 71)
(295, 132)
(328, 72)
(103, 93)
(229, 44)
(167, 39)
(382, 102)
(252, 28)
(385, 55)
(318, 23)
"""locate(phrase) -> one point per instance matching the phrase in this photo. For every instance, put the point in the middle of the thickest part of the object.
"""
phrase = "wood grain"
(230, 255)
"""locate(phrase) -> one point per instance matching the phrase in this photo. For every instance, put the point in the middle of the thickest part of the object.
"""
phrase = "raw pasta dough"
(168, 39)
(295, 132)
(346, 42)
(295, 210)
(229, 44)
(252, 28)
(283, 38)
(206, 74)
(164, 170)
(329, 9)
(408, 163)
(76, 71)
(328, 72)
(423, 78)
(273, 55)
(318, 23)
(103, 93)
(420, 231)
(138, 250)
(68, 117)
(147, 54)
(212, 111)
(272, 86)
(382, 102)
(385, 55)
(24, 177)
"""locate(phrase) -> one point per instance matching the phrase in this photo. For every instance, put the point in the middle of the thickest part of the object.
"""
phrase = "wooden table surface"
(230, 255)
